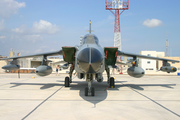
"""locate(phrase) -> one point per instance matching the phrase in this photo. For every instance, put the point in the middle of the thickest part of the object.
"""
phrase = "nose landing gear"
(89, 90)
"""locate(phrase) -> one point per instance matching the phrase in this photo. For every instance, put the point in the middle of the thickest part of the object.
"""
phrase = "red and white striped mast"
(119, 6)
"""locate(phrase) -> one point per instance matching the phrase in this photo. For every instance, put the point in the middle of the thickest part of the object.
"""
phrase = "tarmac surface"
(46, 98)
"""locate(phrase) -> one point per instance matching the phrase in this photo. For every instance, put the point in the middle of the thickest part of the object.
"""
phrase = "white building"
(150, 65)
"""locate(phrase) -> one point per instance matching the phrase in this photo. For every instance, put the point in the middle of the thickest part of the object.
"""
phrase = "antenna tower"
(118, 6)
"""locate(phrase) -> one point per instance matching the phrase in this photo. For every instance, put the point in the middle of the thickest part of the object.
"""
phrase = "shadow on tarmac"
(44, 85)
(140, 86)
(100, 88)
(100, 91)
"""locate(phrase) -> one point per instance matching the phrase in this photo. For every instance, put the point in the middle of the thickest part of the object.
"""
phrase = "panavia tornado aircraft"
(90, 60)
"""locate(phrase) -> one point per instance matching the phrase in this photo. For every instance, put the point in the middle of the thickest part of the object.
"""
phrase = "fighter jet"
(90, 60)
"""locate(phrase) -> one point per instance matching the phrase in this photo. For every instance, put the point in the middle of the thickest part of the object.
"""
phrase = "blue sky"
(36, 26)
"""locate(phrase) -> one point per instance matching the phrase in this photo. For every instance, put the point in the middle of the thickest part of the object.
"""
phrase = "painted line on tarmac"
(154, 101)
(157, 103)
(42, 103)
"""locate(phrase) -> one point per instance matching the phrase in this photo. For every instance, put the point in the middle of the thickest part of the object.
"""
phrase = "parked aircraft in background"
(90, 60)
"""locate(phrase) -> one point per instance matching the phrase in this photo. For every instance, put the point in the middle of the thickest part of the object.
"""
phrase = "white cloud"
(23, 52)
(44, 27)
(52, 50)
(152, 23)
(25, 33)
(10, 7)
(32, 38)
(1, 37)
(38, 50)
(43, 47)
(2, 26)
(112, 23)
(110, 17)
(23, 29)
(36, 32)
(103, 22)
(41, 27)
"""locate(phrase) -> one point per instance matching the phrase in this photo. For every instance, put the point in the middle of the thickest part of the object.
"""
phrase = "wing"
(120, 53)
(40, 54)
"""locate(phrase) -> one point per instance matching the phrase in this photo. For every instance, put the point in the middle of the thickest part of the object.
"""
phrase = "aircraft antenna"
(119, 6)
(90, 28)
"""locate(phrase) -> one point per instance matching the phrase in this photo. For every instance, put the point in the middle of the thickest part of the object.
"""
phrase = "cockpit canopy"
(90, 39)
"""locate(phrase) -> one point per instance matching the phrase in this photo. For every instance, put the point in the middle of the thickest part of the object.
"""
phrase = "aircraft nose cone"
(90, 60)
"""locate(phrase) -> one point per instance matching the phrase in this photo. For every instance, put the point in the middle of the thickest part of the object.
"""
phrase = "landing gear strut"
(89, 90)
(68, 80)
(110, 80)
(71, 72)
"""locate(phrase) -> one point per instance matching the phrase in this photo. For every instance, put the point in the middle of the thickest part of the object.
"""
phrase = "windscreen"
(90, 39)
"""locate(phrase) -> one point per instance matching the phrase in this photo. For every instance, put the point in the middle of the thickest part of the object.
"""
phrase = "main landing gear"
(110, 79)
(68, 80)
(111, 82)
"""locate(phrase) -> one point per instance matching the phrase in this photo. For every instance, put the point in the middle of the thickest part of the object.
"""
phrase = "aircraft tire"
(66, 81)
(86, 91)
(112, 82)
(92, 91)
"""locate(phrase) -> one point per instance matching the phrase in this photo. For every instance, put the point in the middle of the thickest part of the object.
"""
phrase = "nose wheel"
(89, 90)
